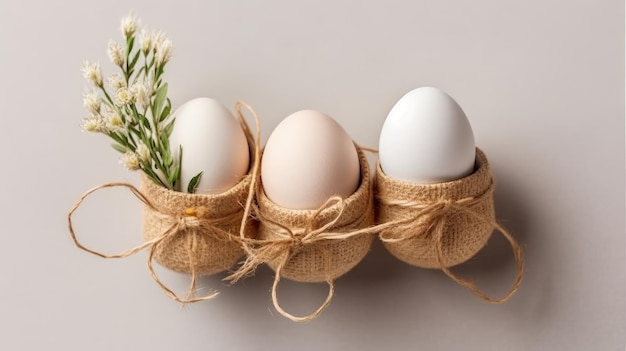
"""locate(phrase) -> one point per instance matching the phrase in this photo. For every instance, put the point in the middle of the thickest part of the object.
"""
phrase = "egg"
(212, 142)
(307, 159)
(427, 138)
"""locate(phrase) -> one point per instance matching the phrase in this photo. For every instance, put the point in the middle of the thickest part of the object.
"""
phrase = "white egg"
(308, 158)
(427, 138)
(212, 142)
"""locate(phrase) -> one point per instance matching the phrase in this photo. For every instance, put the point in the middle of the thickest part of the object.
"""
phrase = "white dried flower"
(130, 161)
(92, 72)
(114, 122)
(93, 124)
(129, 25)
(124, 97)
(157, 38)
(163, 52)
(116, 81)
(116, 53)
(146, 40)
(91, 101)
(141, 93)
(143, 153)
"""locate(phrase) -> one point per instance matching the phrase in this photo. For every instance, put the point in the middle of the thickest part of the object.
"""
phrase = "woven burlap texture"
(196, 248)
(321, 260)
(463, 233)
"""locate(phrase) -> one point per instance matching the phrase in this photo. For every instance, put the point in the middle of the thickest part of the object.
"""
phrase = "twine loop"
(428, 220)
(291, 241)
(176, 224)
(254, 143)
(192, 221)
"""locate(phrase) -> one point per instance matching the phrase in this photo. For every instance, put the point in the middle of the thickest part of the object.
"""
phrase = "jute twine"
(444, 224)
(312, 245)
(198, 234)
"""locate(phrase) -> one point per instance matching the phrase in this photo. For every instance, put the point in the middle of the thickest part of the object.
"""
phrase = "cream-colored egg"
(427, 138)
(308, 158)
(213, 143)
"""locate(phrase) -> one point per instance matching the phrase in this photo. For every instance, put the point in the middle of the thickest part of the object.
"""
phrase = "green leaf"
(167, 159)
(169, 127)
(119, 147)
(155, 177)
(120, 140)
(144, 121)
(180, 164)
(166, 110)
(149, 65)
(165, 142)
(129, 44)
(167, 155)
(159, 100)
(174, 175)
(134, 61)
(193, 183)
(132, 129)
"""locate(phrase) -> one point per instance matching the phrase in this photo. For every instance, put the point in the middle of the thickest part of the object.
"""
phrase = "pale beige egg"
(308, 158)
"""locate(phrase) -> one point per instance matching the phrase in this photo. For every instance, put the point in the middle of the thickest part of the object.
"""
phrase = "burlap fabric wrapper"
(203, 249)
(323, 260)
(463, 234)
(198, 234)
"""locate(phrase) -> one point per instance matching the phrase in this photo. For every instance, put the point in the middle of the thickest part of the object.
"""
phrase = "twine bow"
(191, 221)
(430, 219)
(187, 222)
(291, 241)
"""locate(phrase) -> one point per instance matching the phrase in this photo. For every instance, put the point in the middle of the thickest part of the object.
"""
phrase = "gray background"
(542, 83)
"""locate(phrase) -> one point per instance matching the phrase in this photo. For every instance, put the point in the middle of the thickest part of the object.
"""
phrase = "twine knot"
(192, 217)
(296, 243)
(428, 220)
(188, 222)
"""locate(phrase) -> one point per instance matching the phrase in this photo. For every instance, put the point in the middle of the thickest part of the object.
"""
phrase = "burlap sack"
(206, 245)
(207, 236)
(319, 259)
(462, 209)
(196, 234)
